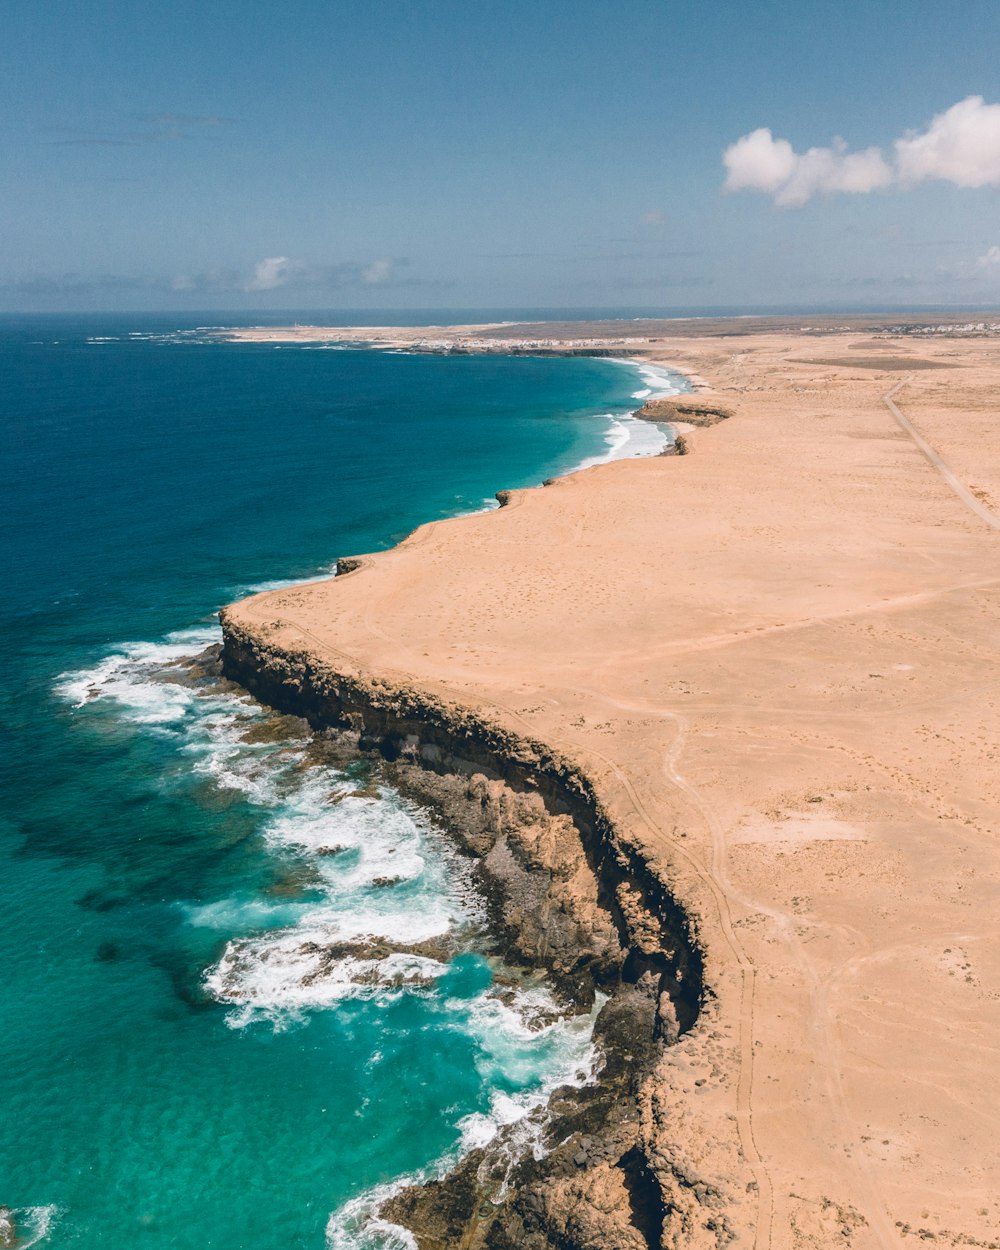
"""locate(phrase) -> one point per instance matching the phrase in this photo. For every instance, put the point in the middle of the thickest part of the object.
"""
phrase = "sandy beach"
(775, 659)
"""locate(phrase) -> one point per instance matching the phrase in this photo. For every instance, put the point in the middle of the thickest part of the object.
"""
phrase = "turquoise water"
(185, 1060)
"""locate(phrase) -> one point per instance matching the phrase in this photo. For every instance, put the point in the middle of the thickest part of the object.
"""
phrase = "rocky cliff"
(689, 411)
(569, 895)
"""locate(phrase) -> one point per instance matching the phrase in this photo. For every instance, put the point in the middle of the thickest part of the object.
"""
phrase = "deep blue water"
(178, 1066)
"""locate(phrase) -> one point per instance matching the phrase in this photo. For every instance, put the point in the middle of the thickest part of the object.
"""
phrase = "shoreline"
(568, 981)
(673, 443)
(655, 978)
(619, 335)
(652, 629)
(420, 738)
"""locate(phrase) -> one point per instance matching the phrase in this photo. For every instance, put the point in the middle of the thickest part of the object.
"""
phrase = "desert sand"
(777, 660)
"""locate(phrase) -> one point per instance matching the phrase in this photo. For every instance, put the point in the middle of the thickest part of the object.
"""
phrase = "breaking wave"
(33, 1224)
(628, 436)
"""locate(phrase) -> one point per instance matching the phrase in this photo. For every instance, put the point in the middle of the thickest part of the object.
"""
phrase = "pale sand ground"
(777, 657)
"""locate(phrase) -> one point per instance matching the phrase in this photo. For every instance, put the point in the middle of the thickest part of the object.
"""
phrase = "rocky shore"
(566, 895)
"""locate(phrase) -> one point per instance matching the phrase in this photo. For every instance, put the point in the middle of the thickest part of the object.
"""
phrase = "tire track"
(960, 489)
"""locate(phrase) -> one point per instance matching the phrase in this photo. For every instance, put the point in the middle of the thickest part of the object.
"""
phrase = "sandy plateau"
(776, 659)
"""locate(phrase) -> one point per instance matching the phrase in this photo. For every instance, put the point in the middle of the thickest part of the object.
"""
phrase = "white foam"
(355, 1226)
(659, 380)
(34, 1224)
(391, 878)
(529, 1041)
(283, 583)
(382, 872)
(569, 1057)
(277, 982)
(215, 739)
(628, 437)
(127, 677)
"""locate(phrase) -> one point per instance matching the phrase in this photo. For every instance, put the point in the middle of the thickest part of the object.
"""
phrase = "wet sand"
(776, 660)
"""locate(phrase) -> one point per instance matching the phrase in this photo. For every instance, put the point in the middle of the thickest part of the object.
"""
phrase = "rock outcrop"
(690, 411)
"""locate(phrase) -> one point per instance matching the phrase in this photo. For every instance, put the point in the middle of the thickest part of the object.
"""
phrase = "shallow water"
(180, 1063)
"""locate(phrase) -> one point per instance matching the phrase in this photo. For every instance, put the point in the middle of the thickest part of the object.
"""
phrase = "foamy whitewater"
(385, 875)
(628, 436)
(33, 1224)
(249, 985)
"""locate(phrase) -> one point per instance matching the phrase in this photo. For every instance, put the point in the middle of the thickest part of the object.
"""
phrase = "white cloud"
(825, 170)
(961, 146)
(759, 162)
(278, 271)
(378, 272)
(272, 272)
(990, 259)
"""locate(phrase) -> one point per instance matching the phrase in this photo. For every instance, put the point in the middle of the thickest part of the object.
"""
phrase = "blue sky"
(552, 154)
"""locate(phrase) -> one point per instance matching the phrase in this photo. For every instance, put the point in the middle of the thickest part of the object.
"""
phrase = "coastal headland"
(725, 728)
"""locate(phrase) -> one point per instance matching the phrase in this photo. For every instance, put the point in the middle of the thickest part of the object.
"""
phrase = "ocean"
(213, 1032)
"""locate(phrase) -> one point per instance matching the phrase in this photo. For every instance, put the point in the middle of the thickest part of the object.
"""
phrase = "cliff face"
(568, 895)
(571, 896)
